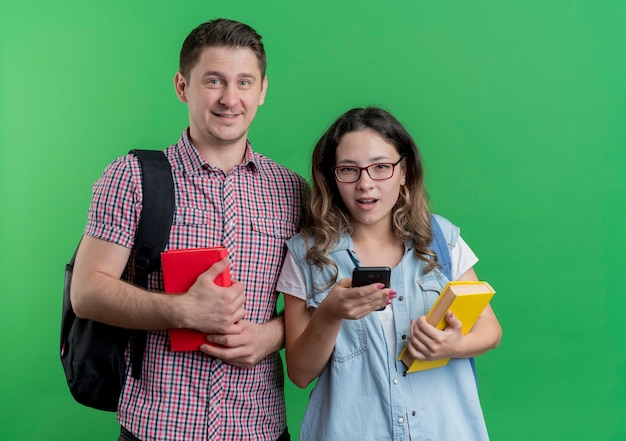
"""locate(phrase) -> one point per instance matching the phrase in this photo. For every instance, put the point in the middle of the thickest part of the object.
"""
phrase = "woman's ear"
(403, 173)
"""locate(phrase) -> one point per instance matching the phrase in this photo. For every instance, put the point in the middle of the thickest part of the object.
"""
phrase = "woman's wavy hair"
(328, 214)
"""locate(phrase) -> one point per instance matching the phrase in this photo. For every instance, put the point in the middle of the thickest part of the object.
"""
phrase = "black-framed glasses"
(378, 172)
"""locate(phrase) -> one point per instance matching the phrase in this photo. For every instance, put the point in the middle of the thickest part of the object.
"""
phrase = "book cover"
(466, 300)
(181, 268)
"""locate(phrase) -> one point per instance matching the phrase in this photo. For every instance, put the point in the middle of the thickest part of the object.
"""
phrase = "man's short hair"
(220, 32)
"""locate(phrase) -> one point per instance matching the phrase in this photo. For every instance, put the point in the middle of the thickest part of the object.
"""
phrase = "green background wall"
(519, 109)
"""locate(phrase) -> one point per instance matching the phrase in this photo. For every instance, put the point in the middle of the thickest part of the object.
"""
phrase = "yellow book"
(466, 300)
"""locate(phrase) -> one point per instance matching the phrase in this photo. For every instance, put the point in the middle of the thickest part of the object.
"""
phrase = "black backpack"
(92, 353)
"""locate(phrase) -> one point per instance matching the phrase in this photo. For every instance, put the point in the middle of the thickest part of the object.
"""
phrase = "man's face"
(223, 91)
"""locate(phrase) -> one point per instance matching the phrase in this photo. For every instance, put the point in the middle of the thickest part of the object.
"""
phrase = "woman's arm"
(310, 339)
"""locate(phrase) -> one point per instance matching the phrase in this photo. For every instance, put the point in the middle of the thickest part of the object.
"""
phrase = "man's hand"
(210, 308)
(246, 348)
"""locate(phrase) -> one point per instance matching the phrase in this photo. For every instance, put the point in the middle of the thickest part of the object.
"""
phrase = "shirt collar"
(192, 159)
(345, 243)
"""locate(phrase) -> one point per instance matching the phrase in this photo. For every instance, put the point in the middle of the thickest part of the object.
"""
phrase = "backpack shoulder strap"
(153, 231)
(440, 246)
(157, 212)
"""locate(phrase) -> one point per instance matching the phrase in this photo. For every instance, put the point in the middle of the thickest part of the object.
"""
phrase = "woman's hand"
(345, 302)
(429, 343)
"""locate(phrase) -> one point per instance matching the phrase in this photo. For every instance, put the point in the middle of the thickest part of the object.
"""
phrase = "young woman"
(369, 208)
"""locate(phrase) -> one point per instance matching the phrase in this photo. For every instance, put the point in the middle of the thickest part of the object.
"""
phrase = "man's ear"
(180, 85)
(263, 91)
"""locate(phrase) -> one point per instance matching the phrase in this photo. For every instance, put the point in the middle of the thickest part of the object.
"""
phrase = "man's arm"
(97, 293)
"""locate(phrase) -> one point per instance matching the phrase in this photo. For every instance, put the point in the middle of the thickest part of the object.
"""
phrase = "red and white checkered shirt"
(252, 211)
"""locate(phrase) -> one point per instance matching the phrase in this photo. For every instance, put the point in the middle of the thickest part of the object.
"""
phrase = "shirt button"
(395, 381)
(400, 420)
(400, 298)
(403, 336)
(413, 413)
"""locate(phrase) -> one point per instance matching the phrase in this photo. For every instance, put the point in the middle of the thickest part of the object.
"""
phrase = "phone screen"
(366, 275)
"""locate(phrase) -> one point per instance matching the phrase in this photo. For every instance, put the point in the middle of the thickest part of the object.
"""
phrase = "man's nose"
(229, 96)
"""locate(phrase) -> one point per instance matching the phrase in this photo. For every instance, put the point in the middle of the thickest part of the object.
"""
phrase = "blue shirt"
(363, 392)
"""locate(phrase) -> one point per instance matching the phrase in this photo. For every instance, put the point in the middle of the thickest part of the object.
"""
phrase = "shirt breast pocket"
(351, 341)
(272, 227)
(352, 337)
(430, 288)
(267, 239)
(195, 228)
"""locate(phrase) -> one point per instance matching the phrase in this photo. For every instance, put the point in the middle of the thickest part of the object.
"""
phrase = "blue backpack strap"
(440, 246)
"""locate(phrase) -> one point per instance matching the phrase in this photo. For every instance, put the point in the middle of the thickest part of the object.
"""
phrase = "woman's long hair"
(329, 216)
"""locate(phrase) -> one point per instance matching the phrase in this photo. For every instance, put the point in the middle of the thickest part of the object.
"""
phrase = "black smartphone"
(366, 275)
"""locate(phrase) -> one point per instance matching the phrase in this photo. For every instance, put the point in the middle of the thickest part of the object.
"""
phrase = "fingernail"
(380, 286)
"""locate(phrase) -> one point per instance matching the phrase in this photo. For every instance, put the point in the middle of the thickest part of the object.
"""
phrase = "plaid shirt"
(252, 211)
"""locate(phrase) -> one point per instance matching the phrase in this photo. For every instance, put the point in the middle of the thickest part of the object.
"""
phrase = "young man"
(226, 195)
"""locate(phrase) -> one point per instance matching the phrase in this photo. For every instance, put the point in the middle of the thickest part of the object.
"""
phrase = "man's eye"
(245, 83)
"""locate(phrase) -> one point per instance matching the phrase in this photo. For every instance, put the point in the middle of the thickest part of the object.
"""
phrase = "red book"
(181, 268)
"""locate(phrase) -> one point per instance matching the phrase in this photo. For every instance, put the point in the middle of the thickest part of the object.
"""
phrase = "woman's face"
(369, 201)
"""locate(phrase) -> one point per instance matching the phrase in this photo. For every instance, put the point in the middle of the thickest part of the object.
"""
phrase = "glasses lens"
(347, 174)
(380, 171)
